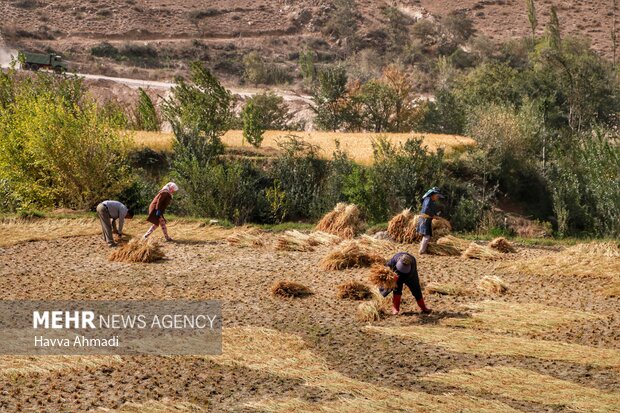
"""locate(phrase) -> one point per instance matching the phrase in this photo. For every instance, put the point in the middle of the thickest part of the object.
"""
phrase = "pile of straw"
(478, 252)
(493, 284)
(501, 244)
(375, 309)
(443, 250)
(137, 251)
(444, 289)
(382, 276)
(298, 241)
(250, 238)
(403, 227)
(612, 290)
(603, 249)
(349, 256)
(353, 290)
(289, 289)
(452, 241)
(376, 245)
(344, 220)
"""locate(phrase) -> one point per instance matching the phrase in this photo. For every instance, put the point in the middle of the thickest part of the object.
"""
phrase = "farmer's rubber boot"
(423, 307)
(396, 303)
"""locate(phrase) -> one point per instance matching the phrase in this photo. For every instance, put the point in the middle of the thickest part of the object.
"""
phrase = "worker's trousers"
(106, 223)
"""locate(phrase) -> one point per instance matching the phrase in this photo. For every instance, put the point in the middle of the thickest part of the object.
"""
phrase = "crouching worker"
(158, 207)
(109, 212)
(404, 265)
(429, 211)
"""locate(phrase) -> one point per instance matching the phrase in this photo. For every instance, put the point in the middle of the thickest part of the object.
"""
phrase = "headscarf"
(170, 187)
(434, 190)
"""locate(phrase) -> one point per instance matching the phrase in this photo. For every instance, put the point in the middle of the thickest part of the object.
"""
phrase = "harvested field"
(445, 289)
(493, 284)
(313, 354)
(289, 289)
(519, 384)
(519, 318)
(13, 366)
(463, 341)
(156, 406)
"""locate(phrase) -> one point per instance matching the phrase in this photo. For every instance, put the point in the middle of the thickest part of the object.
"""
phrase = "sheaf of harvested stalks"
(249, 238)
(344, 221)
(353, 290)
(289, 289)
(527, 385)
(350, 255)
(382, 276)
(294, 241)
(403, 227)
(377, 245)
(164, 405)
(458, 243)
(493, 284)
(478, 252)
(501, 244)
(136, 251)
(605, 249)
(445, 289)
(442, 250)
(463, 341)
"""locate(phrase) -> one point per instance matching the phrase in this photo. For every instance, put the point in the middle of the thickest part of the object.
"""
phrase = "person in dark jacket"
(429, 210)
(405, 267)
(158, 207)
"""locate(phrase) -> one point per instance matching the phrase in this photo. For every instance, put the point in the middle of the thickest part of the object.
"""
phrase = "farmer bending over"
(404, 265)
(109, 212)
(429, 211)
(158, 207)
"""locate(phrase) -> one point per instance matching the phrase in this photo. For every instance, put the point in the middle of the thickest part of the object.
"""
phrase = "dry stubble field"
(549, 344)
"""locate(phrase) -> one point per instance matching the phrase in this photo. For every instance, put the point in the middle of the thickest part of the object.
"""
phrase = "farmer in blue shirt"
(428, 212)
(404, 265)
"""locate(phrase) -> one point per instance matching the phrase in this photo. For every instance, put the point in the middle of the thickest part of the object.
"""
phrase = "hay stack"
(403, 227)
(444, 289)
(349, 256)
(478, 252)
(604, 249)
(382, 276)
(458, 243)
(375, 309)
(344, 221)
(250, 238)
(323, 238)
(353, 290)
(443, 250)
(294, 241)
(376, 245)
(137, 250)
(501, 244)
(493, 284)
(289, 289)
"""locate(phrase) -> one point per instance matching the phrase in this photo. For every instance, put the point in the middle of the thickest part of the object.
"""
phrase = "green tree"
(145, 114)
(553, 30)
(330, 99)
(531, 16)
(307, 67)
(378, 103)
(253, 128)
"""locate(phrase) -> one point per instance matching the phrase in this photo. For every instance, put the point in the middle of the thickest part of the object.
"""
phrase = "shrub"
(104, 49)
(145, 115)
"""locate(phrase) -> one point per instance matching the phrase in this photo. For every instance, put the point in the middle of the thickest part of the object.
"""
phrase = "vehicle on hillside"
(36, 61)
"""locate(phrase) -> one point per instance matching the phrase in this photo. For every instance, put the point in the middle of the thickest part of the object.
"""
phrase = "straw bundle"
(250, 238)
(493, 284)
(478, 252)
(289, 289)
(501, 244)
(382, 276)
(344, 221)
(605, 249)
(444, 289)
(375, 309)
(441, 227)
(349, 256)
(323, 238)
(376, 245)
(402, 227)
(458, 243)
(353, 290)
(294, 241)
(137, 251)
(443, 250)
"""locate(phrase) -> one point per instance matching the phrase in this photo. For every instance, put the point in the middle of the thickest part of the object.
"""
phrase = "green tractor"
(36, 61)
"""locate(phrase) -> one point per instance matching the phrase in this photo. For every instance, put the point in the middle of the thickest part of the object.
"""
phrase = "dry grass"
(612, 290)
(353, 290)
(501, 244)
(379, 246)
(344, 221)
(452, 241)
(298, 241)
(520, 384)
(445, 289)
(252, 238)
(382, 276)
(137, 250)
(442, 250)
(12, 366)
(164, 405)
(463, 341)
(17, 230)
(583, 260)
(286, 355)
(368, 312)
(478, 252)
(403, 227)
(289, 289)
(350, 255)
(519, 318)
(493, 284)
(357, 145)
